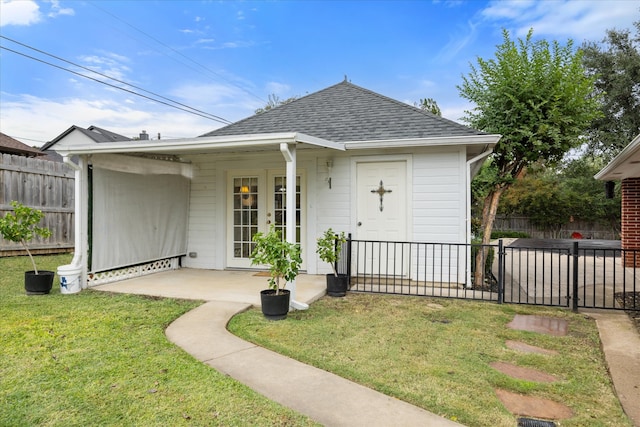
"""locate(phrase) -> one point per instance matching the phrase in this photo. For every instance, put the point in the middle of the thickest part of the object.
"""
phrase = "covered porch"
(213, 285)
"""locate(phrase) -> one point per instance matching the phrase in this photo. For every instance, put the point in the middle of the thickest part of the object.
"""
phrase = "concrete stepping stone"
(527, 348)
(521, 373)
(534, 407)
(542, 324)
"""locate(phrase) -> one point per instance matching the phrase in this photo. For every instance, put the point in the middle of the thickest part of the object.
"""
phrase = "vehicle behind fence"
(567, 275)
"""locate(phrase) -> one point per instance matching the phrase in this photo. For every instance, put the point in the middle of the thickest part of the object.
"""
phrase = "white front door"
(382, 213)
(256, 200)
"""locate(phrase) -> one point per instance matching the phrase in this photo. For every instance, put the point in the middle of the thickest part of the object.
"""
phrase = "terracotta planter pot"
(275, 307)
(38, 284)
(337, 286)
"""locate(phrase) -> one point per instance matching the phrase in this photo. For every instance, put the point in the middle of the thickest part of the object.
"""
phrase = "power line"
(210, 117)
(215, 117)
(176, 51)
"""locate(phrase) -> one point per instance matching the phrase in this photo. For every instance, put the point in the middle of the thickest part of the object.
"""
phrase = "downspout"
(76, 266)
(470, 163)
(289, 153)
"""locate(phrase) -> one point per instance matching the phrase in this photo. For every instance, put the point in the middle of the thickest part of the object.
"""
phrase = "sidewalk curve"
(326, 398)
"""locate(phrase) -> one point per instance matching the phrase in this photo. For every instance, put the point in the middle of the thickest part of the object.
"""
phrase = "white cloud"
(280, 89)
(20, 115)
(24, 12)
(56, 10)
(457, 42)
(110, 64)
(579, 20)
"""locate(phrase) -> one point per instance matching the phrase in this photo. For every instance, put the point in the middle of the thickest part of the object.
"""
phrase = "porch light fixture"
(247, 199)
(329, 168)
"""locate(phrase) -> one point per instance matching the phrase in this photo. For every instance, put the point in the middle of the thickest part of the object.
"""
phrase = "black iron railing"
(569, 277)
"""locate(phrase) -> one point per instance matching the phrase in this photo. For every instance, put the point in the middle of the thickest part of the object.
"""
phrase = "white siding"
(438, 196)
(202, 215)
(438, 199)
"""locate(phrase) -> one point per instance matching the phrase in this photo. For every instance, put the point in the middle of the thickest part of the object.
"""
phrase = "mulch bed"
(632, 300)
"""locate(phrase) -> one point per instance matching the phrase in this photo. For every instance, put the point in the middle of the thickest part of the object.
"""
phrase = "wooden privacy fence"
(41, 184)
(588, 230)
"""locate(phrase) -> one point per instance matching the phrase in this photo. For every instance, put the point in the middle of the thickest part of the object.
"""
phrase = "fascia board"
(426, 142)
(607, 173)
(200, 143)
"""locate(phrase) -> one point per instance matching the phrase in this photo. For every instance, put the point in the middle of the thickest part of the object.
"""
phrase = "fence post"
(501, 255)
(575, 278)
(349, 260)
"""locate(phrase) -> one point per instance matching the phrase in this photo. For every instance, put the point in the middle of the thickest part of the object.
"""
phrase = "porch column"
(289, 153)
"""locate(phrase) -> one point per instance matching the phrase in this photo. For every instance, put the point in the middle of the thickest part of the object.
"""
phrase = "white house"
(362, 163)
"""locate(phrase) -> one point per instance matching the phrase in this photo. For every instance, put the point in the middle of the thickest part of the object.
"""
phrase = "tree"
(275, 101)
(538, 97)
(430, 105)
(616, 64)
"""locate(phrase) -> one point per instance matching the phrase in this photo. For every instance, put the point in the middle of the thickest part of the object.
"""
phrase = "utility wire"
(176, 51)
(210, 117)
(214, 117)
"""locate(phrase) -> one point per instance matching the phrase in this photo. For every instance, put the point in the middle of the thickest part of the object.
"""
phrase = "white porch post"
(289, 153)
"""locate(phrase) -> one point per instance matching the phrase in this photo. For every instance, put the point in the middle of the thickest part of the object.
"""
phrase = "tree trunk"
(489, 209)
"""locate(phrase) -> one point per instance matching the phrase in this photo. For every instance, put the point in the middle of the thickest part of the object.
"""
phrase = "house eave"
(203, 144)
(489, 139)
(625, 165)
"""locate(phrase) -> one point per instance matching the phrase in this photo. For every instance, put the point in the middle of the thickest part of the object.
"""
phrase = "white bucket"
(70, 279)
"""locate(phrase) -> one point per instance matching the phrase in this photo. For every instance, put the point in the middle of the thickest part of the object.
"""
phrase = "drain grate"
(528, 422)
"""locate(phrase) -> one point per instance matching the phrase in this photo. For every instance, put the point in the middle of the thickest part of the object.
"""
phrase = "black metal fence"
(571, 276)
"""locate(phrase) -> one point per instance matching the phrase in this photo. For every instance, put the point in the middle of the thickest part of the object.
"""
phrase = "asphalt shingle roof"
(94, 132)
(13, 146)
(345, 112)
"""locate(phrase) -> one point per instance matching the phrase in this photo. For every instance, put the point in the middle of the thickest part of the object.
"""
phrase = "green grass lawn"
(436, 354)
(102, 359)
(94, 359)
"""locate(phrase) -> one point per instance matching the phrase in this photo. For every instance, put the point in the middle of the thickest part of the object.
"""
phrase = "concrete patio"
(214, 285)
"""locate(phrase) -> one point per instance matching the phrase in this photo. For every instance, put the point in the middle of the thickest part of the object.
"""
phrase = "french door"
(256, 200)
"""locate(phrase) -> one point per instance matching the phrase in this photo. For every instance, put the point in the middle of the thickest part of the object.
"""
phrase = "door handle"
(359, 223)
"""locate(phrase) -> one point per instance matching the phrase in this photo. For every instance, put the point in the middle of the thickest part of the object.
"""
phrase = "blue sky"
(226, 57)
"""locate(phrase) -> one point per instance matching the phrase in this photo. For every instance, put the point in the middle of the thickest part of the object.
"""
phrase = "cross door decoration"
(381, 191)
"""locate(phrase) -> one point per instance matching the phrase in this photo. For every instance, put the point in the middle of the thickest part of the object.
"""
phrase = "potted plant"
(21, 227)
(329, 246)
(283, 260)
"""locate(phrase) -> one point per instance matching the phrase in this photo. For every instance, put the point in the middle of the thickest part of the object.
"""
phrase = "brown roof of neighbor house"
(10, 145)
(345, 113)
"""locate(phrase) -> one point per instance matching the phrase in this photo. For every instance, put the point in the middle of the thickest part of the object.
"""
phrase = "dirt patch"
(521, 373)
(526, 348)
(534, 407)
(541, 324)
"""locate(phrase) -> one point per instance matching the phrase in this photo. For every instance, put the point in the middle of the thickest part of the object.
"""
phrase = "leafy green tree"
(430, 105)
(551, 196)
(273, 102)
(616, 64)
(538, 97)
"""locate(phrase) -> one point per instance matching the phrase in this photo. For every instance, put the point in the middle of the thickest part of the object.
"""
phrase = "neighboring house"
(362, 163)
(625, 167)
(12, 146)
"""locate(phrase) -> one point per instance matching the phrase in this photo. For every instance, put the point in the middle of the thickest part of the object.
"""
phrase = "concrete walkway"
(325, 397)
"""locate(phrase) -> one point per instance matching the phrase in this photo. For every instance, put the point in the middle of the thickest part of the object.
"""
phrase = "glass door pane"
(245, 215)
(280, 204)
